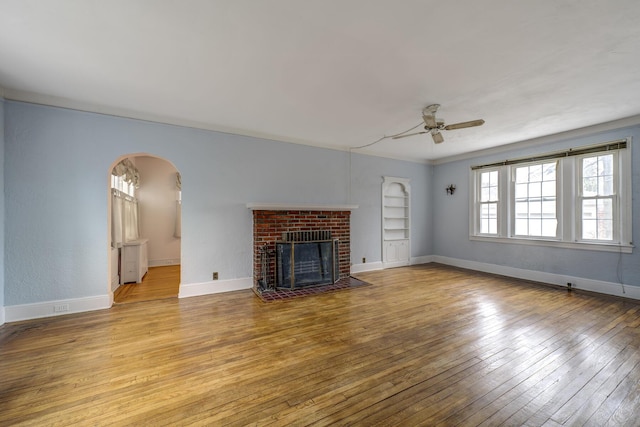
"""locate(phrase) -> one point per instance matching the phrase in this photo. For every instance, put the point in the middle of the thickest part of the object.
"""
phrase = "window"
(119, 183)
(488, 202)
(125, 178)
(579, 198)
(597, 197)
(535, 200)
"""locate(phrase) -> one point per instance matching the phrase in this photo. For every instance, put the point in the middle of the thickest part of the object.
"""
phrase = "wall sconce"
(450, 189)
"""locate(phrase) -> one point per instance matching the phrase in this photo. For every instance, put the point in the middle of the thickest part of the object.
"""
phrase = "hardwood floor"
(424, 345)
(158, 283)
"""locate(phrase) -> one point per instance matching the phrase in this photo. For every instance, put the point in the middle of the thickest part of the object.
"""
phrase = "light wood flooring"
(159, 283)
(423, 345)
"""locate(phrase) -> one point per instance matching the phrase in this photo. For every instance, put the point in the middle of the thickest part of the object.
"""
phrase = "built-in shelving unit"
(396, 221)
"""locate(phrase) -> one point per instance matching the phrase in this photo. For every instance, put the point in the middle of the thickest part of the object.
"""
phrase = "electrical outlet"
(60, 308)
(364, 260)
(215, 275)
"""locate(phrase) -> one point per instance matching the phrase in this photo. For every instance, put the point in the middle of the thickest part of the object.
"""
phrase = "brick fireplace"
(270, 226)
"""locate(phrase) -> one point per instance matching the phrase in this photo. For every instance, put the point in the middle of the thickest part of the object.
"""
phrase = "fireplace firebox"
(306, 263)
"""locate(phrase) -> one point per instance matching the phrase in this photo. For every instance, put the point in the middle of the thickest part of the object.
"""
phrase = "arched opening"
(144, 227)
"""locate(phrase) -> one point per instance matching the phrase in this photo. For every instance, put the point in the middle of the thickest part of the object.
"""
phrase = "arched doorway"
(144, 223)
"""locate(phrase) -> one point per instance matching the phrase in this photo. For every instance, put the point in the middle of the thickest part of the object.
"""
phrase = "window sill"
(603, 247)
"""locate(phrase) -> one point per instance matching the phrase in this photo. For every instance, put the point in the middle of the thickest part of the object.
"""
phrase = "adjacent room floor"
(159, 283)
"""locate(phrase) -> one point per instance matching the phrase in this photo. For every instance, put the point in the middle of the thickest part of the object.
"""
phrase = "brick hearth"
(268, 226)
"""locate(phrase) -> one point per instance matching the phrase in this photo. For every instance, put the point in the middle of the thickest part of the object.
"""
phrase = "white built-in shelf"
(396, 240)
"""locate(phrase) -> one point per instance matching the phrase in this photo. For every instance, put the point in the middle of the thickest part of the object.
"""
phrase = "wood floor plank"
(575, 339)
(550, 391)
(582, 407)
(620, 408)
(423, 345)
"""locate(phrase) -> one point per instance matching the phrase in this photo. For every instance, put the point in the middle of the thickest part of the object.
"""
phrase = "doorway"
(144, 216)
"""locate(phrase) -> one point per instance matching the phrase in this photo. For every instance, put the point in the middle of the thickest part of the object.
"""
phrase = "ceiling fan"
(434, 126)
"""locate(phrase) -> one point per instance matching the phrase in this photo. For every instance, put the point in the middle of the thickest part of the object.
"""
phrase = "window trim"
(616, 200)
(603, 247)
(567, 196)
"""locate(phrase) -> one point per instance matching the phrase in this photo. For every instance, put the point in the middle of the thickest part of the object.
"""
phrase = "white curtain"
(124, 207)
(116, 220)
(127, 169)
(124, 219)
(130, 220)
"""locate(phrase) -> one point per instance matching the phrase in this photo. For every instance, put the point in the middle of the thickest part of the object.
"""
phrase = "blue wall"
(56, 178)
(451, 217)
(56, 175)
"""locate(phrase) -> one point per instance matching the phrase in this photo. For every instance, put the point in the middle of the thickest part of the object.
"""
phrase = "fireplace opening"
(303, 261)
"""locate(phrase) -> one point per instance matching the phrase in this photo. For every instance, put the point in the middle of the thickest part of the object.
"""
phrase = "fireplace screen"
(301, 264)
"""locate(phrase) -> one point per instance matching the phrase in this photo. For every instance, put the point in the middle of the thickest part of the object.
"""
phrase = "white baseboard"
(599, 286)
(163, 262)
(421, 259)
(1, 316)
(379, 265)
(214, 287)
(16, 313)
(369, 266)
(395, 264)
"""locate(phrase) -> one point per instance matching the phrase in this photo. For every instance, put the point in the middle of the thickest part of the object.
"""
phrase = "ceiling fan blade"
(430, 121)
(409, 134)
(429, 116)
(437, 137)
(463, 125)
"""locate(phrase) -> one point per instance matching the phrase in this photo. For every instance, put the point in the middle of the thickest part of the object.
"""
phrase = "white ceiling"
(332, 73)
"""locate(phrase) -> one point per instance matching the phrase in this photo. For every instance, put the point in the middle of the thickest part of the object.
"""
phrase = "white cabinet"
(396, 251)
(134, 262)
(396, 222)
